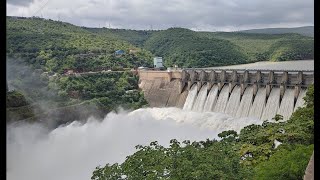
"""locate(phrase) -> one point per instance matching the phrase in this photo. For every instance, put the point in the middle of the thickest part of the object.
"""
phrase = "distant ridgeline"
(305, 30)
(55, 46)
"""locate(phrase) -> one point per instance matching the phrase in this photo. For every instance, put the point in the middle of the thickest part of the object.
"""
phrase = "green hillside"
(185, 48)
(135, 37)
(53, 46)
(262, 47)
(254, 47)
(305, 30)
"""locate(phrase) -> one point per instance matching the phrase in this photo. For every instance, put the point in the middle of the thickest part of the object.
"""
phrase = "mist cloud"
(159, 14)
(72, 152)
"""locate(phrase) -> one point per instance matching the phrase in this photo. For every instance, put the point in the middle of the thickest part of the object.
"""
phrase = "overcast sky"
(204, 15)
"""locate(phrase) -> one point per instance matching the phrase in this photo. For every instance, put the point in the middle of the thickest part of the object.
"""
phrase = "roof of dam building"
(299, 65)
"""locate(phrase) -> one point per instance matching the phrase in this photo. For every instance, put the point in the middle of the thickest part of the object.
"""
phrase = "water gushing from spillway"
(287, 104)
(191, 98)
(272, 104)
(211, 99)
(222, 100)
(300, 101)
(201, 99)
(234, 101)
(258, 103)
(246, 103)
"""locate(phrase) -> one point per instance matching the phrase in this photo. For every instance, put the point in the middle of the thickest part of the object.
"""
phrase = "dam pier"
(258, 93)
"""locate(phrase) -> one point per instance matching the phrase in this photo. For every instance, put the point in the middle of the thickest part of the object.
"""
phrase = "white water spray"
(72, 152)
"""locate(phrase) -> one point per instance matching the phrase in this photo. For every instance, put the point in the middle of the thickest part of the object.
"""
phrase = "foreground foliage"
(251, 154)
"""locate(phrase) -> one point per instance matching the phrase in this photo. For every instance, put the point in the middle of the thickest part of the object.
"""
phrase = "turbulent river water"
(73, 151)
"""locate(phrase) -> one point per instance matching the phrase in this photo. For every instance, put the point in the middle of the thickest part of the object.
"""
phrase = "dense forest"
(54, 46)
(251, 154)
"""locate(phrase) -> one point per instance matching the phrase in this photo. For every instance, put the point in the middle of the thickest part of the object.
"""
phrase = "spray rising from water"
(73, 151)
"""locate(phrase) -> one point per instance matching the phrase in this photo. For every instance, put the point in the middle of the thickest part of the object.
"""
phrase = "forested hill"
(201, 49)
(185, 48)
(273, 47)
(54, 46)
(305, 30)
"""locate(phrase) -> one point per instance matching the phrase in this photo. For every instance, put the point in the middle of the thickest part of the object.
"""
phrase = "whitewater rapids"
(73, 151)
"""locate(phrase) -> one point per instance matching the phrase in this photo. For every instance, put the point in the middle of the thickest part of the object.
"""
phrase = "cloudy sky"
(208, 15)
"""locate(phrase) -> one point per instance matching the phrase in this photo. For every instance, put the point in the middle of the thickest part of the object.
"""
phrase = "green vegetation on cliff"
(251, 154)
(108, 90)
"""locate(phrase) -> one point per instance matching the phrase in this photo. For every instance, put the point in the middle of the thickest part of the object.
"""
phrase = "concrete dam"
(237, 92)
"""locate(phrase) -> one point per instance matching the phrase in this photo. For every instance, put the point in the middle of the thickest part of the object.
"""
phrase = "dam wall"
(237, 92)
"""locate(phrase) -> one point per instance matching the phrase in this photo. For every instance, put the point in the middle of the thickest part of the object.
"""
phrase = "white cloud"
(160, 14)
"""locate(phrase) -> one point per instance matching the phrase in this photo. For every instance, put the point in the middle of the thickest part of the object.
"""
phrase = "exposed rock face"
(309, 174)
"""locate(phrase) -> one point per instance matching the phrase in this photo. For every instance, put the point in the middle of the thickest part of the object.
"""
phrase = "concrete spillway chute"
(184, 80)
(234, 80)
(193, 78)
(283, 84)
(222, 79)
(244, 82)
(203, 76)
(212, 79)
